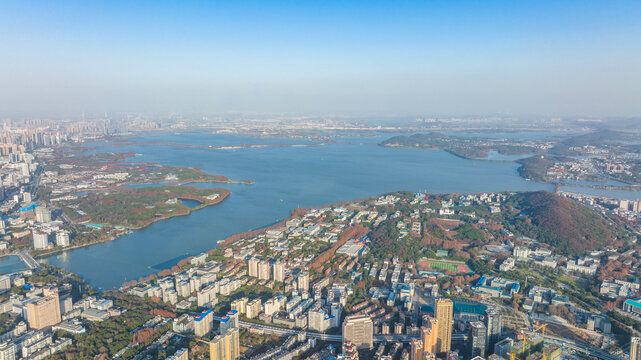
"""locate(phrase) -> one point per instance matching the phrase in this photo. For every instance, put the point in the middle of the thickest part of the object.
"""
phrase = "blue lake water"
(10, 264)
(190, 203)
(285, 178)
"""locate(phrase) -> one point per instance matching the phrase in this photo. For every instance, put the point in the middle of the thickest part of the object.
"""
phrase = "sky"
(549, 58)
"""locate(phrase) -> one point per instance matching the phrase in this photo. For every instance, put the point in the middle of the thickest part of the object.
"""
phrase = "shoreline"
(295, 213)
(127, 142)
(628, 187)
(130, 229)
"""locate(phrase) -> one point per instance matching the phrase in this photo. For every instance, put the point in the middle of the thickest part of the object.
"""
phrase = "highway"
(549, 339)
(270, 329)
(581, 348)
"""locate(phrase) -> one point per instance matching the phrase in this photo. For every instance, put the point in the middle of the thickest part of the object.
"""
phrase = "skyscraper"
(43, 214)
(44, 312)
(279, 271)
(444, 310)
(40, 239)
(253, 308)
(225, 346)
(252, 265)
(635, 348)
(264, 270)
(203, 323)
(53, 293)
(240, 305)
(303, 281)
(494, 325)
(359, 329)
(229, 321)
(429, 336)
(416, 349)
(503, 347)
(62, 238)
(476, 339)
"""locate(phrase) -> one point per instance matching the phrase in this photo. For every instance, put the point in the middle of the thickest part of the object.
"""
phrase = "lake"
(285, 178)
(11, 264)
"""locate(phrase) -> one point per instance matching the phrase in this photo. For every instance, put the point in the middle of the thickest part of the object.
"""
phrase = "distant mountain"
(598, 138)
(569, 226)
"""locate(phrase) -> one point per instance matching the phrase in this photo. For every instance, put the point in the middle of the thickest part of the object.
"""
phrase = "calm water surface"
(285, 178)
(10, 264)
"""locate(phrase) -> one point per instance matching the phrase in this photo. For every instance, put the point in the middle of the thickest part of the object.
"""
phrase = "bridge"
(24, 256)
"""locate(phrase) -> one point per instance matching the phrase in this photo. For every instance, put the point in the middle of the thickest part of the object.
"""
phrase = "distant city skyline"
(571, 58)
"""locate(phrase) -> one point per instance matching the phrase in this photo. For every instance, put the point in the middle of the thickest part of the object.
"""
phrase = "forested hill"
(568, 226)
(466, 147)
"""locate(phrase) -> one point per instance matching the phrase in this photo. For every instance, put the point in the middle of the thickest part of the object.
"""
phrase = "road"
(270, 329)
(580, 348)
(568, 344)
(24, 255)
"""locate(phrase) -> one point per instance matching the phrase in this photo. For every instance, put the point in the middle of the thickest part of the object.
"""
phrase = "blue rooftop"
(635, 302)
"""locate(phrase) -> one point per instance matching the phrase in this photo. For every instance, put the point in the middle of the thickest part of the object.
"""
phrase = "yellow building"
(635, 348)
(225, 346)
(429, 336)
(44, 312)
(444, 310)
(253, 308)
(416, 349)
(240, 305)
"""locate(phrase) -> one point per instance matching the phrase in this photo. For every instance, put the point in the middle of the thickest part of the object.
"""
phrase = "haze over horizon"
(571, 58)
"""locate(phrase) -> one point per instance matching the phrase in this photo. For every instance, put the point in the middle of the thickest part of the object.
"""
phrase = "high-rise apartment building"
(504, 347)
(229, 321)
(303, 281)
(44, 312)
(494, 325)
(264, 270)
(429, 336)
(279, 271)
(254, 308)
(416, 349)
(62, 238)
(43, 214)
(476, 339)
(203, 323)
(240, 305)
(252, 265)
(635, 348)
(40, 239)
(359, 329)
(444, 310)
(225, 346)
(318, 320)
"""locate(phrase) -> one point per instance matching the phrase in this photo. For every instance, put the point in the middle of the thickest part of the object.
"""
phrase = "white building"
(318, 320)
(585, 266)
(62, 238)
(508, 264)
(521, 252)
(279, 271)
(40, 239)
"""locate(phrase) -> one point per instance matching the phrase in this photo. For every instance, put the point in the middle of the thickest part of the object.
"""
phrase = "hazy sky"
(350, 57)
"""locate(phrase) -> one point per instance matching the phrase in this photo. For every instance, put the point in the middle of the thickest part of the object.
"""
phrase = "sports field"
(445, 265)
